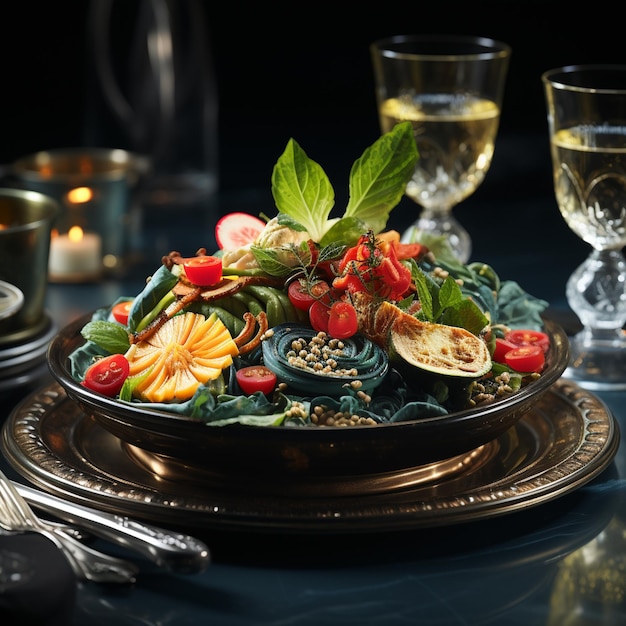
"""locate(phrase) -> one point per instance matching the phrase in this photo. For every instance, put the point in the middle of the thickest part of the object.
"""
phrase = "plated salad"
(304, 319)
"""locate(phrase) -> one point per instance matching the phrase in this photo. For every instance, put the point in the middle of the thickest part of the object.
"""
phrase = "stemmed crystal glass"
(586, 106)
(450, 88)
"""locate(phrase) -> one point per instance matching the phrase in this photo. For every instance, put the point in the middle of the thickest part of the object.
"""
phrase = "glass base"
(597, 365)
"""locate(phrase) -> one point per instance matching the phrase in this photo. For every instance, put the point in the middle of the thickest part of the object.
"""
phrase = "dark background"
(303, 70)
(289, 69)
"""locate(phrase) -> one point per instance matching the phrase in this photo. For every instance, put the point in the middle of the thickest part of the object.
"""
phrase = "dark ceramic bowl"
(300, 451)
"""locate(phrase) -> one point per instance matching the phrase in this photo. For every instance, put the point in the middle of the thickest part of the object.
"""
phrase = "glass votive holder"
(96, 225)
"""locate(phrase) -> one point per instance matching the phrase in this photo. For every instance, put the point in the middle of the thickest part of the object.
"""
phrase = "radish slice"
(235, 230)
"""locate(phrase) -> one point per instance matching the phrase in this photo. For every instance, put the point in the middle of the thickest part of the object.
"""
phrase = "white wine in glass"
(450, 89)
(587, 124)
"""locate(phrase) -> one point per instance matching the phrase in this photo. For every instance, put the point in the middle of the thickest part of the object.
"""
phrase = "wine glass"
(450, 88)
(586, 107)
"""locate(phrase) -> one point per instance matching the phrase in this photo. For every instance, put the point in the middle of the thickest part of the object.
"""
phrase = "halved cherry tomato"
(203, 270)
(524, 337)
(256, 378)
(302, 294)
(107, 375)
(120, 312)
(502, 347)
(342, 320)
(525, 359)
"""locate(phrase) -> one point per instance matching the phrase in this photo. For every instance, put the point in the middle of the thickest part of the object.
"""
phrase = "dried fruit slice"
(188, 350)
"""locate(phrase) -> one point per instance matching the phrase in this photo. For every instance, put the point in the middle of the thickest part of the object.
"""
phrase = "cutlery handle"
(172, 550)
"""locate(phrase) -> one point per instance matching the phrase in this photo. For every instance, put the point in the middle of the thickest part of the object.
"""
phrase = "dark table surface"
(560, 562)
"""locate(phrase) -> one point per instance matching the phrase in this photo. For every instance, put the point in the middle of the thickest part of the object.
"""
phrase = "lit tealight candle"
(75, 256)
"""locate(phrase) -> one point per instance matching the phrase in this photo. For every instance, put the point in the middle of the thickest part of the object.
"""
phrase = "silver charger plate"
(564, 441)
(29, 345)
(25, 362)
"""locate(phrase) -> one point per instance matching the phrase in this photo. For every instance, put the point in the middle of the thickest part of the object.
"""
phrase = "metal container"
(26, 219)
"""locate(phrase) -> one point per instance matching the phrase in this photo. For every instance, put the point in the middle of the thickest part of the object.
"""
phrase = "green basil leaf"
(379, 177)
(449, 294)
(110, 336)
(465, 314)
(301, 189)
(346, 232)
(281, 260)
(424, 295)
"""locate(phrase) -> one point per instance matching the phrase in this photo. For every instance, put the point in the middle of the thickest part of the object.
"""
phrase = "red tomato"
(237, 229)
(203, 270)
(409, 250)
(525, 337)
(303, 295)
(525, 359)
(342, 320)
(107, 375)
(256, 378)
(502, 347)
(120, 312)
(318, 315)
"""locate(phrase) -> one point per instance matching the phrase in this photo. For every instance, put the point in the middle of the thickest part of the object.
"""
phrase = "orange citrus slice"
(187, 351)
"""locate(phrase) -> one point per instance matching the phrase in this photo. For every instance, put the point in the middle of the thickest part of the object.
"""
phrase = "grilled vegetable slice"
(437, 349)
(415, 346)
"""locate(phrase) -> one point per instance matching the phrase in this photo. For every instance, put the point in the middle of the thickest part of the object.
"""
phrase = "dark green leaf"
(148, 303)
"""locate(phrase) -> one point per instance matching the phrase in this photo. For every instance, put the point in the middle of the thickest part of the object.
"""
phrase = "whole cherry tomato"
(303, 294)
(319, 312)
(203, 270)
(342, 320)
(107, 375)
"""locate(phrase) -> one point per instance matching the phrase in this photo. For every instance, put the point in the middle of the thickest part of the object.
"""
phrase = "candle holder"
(94, 231)
(26, 219)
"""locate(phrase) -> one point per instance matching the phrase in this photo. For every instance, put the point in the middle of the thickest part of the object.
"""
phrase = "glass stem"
(596, 291)
(441, 221)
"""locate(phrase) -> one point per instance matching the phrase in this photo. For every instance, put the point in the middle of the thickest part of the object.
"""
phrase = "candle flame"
(75, 233)
(79, 195)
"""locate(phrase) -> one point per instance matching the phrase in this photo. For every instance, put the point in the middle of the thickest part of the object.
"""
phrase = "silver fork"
(87, 563)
